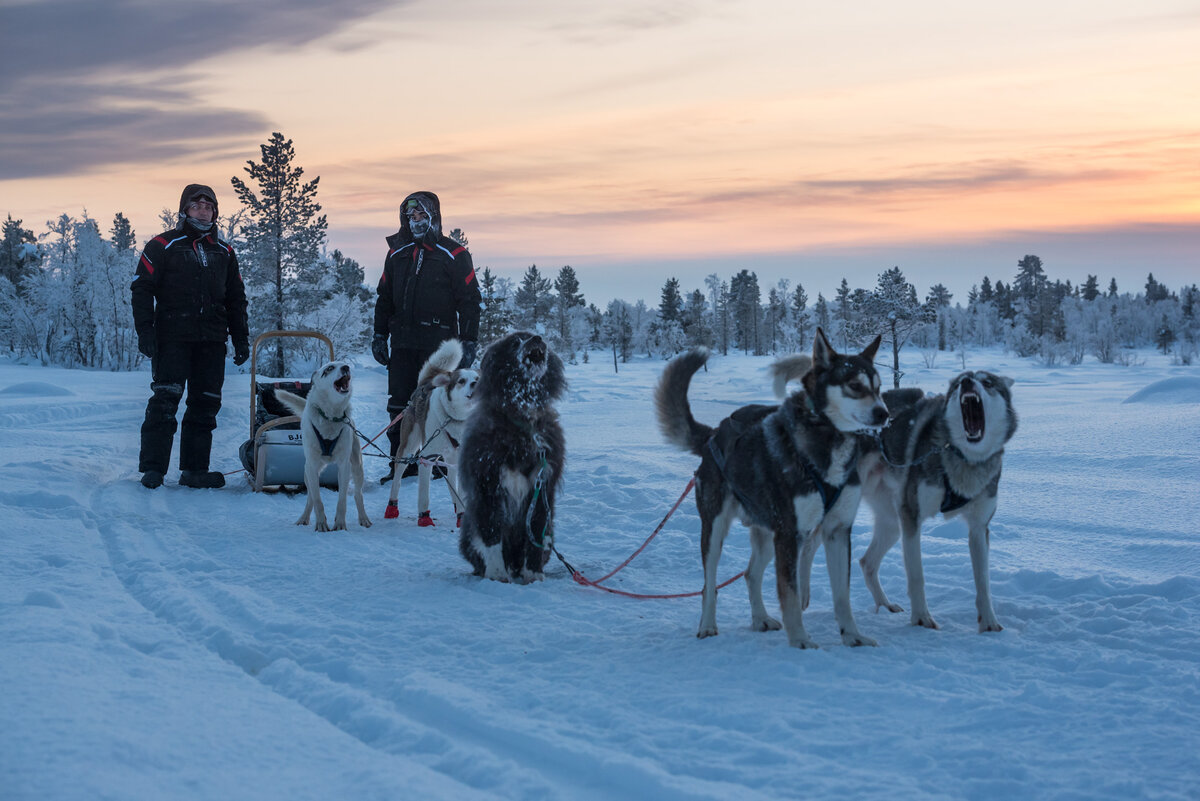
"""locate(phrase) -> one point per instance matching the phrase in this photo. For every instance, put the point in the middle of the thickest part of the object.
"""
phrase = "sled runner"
(273, 455)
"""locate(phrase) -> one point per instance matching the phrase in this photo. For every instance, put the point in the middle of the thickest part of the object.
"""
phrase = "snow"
(193, 644)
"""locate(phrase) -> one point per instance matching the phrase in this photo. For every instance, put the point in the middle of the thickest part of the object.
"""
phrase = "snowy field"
(195, 644)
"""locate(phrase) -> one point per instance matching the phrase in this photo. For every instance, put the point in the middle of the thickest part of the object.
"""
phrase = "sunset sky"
(636, 141)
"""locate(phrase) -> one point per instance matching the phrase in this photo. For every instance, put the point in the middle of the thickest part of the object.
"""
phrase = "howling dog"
(789, 472)
(432, 426)
(512, 459)
(328, 437)
(941, 453)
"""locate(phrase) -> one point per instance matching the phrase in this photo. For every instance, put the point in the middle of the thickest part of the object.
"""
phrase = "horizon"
(637, 143)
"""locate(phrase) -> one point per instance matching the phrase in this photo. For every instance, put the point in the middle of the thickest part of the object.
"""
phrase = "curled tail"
(670, 402)
(293, 402)
(444, 360)
(789, 368)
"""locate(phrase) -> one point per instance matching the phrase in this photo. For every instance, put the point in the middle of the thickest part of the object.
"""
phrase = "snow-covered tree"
(533, 300)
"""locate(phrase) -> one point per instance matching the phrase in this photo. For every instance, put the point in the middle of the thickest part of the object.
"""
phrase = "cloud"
(85, 84)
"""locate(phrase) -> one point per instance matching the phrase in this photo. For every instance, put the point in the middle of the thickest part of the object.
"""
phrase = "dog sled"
(274, 454)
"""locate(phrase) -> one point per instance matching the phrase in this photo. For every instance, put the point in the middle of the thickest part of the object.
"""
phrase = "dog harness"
(327, 445)
(828, 492)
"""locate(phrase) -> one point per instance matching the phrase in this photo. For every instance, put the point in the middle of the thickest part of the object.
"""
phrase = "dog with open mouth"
(328, 436)
(941, 453)
(512, 458)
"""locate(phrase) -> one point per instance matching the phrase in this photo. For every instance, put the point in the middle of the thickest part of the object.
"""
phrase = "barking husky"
(788, 472)
(328, 437)
(433, 425)
(512, 458)
(939, 454)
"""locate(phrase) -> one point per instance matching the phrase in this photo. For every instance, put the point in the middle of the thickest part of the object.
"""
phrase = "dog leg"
(883, 537)
(787, 550)
(712, 538)
(312, 482)
(837, 560)
(911, 541)
(356, 473)
(807, 552)
(979, 539)
(424, 476)
(339, 514)
(760, 554)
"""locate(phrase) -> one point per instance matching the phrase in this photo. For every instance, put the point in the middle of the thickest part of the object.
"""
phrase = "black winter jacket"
(188, 288)
(428, 292)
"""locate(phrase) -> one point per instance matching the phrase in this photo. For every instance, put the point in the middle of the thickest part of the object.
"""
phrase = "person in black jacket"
(427, 294)
(188, 297)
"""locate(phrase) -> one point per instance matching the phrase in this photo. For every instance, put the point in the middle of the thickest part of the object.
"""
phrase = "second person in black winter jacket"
(427, 294)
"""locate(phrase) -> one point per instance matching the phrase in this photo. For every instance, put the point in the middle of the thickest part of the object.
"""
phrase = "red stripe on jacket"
(470, 277)
(147, 264)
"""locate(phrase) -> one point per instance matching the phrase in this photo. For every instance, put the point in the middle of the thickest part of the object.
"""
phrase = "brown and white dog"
(432, 426)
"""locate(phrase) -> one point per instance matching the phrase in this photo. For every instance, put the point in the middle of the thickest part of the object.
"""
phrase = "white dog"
(328, 438)
(432, 426)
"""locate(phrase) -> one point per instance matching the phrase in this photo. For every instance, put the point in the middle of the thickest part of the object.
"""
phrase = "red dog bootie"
(424, 519)
(392, 511)
(458, 523)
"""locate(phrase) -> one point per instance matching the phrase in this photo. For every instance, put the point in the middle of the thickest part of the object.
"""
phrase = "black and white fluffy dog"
(511, 460)
(789, 472)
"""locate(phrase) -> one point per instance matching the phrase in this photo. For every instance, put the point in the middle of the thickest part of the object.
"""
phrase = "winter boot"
(424, 519)
(201, 479)
(152, 479)
(392, 511)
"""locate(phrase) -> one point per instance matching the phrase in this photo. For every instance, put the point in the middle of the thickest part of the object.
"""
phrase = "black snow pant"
(198, 367)
(404, 367)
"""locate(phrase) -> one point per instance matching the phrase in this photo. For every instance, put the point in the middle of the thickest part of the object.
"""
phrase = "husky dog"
(511, 460)
(328, 437)
(433, 425)
(788, 472)
(939, 454)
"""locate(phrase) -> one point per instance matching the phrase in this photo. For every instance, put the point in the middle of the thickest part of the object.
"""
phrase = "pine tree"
(494, 318)
(567, 299)
(123, 237)
(1112, 287)
(696, 330)
(800, 314)
(821, 311)
(893, 307)
(285, 236)
(1091, 289)
(985, 291)
(533, 299)
(18, 252)
(1165, 337)
(718, 298)
(745, 294)
(459, 236)
(671, 304)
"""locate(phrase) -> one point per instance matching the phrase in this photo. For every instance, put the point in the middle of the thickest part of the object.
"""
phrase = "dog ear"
(823, 352)
(441, 379)
(870, 351)
(1008, 382)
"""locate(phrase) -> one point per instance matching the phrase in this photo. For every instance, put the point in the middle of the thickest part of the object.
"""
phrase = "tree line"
(64, 298)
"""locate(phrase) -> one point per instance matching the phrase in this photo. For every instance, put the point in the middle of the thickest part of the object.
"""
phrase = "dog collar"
(343, 419)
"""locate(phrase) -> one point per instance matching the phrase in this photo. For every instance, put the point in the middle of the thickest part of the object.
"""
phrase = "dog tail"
(789, 368)
(444, 360)
(293, 402)
(670, 401)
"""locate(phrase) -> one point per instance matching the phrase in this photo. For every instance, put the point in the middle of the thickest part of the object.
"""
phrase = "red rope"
(587, 582)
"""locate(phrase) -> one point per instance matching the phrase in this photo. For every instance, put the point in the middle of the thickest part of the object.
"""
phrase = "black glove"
(241, 352)
(470, 348)
(147, 344)
(379, 348)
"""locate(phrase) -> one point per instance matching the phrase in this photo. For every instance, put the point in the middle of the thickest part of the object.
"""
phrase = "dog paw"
(706, 632)
(766, 624)
(424, 520)
(322, 525)
(856, 640)
(925, 621)
(392, 511)
(803, 643)
(365, 522)
(991, 624)
(891, 607)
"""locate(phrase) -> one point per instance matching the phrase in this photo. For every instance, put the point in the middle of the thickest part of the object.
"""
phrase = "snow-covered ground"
(192, 644)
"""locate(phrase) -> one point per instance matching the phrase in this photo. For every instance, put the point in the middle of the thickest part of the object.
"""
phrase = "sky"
(640, 141)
